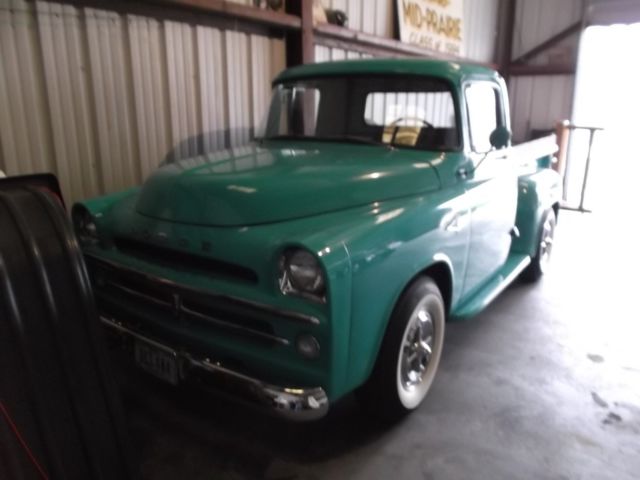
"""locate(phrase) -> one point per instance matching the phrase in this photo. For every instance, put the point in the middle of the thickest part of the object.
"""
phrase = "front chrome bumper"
(300, 404)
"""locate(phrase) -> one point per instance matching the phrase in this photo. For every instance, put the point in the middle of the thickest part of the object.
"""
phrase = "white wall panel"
(183, 104)
(322, 53)
(110, 73)
(326, 54)
(540, 20)
(101, 98)
(22, 96)
(66, 75)
(480, 29)
(538, 102)
(150, 84)
(238, 87)
(212, 87)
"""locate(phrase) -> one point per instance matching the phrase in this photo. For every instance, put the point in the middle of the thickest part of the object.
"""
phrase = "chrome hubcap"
(546, 243)
(417, 348)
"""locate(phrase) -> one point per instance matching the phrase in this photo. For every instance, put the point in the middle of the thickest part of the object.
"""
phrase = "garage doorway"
(607, 96)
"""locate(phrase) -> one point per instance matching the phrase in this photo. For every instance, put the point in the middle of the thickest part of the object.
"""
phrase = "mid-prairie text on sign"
(434, 24)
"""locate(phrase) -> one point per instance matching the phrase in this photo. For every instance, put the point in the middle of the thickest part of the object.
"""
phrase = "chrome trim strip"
(124, 330)
(288, 314)
(238, 328)
(135, 293)
(215, 321)
(291, 403)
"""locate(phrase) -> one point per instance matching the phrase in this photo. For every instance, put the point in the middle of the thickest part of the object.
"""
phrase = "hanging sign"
(433, 24)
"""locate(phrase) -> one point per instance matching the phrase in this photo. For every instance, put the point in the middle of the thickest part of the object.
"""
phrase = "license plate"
(157, 362)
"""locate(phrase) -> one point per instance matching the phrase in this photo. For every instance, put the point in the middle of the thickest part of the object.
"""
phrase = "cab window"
(484, 109)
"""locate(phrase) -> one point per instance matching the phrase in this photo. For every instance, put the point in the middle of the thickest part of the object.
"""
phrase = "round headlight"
(301, 273)
(305, 272)
(84, 225)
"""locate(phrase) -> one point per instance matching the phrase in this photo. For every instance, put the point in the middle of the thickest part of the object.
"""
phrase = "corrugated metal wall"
(539, 101)
(328, 54)
(378, 17)
(101, 98)
(480, 29)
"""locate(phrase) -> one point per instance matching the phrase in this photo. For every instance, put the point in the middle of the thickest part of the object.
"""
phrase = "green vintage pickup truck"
(380, 199)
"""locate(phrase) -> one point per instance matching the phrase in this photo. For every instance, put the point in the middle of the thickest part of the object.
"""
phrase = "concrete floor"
(544, 384)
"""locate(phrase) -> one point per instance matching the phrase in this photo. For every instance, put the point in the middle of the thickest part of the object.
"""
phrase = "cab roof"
(448, 70)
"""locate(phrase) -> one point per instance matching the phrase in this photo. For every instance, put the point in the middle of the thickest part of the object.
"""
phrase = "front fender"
(400, 244)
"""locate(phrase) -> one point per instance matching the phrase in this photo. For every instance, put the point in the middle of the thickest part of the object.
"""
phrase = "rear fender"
(537, 193)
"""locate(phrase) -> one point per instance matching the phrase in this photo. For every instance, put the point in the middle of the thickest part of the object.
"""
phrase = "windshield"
(391, 110)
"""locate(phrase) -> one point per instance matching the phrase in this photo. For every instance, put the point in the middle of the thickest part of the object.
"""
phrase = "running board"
(515, 264)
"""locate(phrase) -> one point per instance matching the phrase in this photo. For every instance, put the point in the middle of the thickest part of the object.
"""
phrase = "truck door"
(492, 186)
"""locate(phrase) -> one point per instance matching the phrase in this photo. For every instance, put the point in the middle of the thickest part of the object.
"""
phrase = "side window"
(484, 110)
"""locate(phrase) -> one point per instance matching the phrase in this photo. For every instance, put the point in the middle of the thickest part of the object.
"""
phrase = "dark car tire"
(60, 416)
(398, 385)
(539, 263)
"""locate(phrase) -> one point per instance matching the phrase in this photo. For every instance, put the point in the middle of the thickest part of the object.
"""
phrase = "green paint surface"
(376, 218)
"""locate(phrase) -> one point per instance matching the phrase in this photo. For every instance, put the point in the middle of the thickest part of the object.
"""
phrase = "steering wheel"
(402, 119)
(396, 127)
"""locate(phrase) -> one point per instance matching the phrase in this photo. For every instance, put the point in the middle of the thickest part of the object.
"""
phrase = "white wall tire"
(420, 351)
(409, 355)
(540, 262)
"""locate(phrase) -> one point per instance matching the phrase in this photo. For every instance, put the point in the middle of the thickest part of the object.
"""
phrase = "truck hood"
(254, 185)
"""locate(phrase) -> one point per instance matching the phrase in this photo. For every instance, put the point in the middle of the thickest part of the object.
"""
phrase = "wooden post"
(562, 137)
(504, 40)
(300, 44)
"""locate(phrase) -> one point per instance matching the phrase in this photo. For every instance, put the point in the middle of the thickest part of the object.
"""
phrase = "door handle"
(462, 173)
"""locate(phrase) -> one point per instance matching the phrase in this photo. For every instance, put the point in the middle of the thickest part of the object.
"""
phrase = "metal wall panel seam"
(194, 118)
(125, 112)
(99, 97)
(80, 104)
(369, 16)
(202, 52)
(219, 107)
(182, 130)
(247, 92)
(140, 95)
(135, 142)
(33, 90)
(231, 86)
(160, 84)
(62, 157)
(59, 23)
(3, 168)
(12, 119)
(172, 75)
(354, 12)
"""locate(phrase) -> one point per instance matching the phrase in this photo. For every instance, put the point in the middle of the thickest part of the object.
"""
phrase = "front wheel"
(409, 355)
(540, 262)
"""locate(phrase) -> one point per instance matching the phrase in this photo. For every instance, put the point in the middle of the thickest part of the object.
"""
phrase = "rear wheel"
(540, 262)
(409, 355)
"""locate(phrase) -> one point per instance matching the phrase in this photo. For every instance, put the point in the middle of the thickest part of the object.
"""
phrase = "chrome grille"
(116, 288)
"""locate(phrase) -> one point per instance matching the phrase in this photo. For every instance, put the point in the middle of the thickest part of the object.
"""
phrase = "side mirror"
(500, 138)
